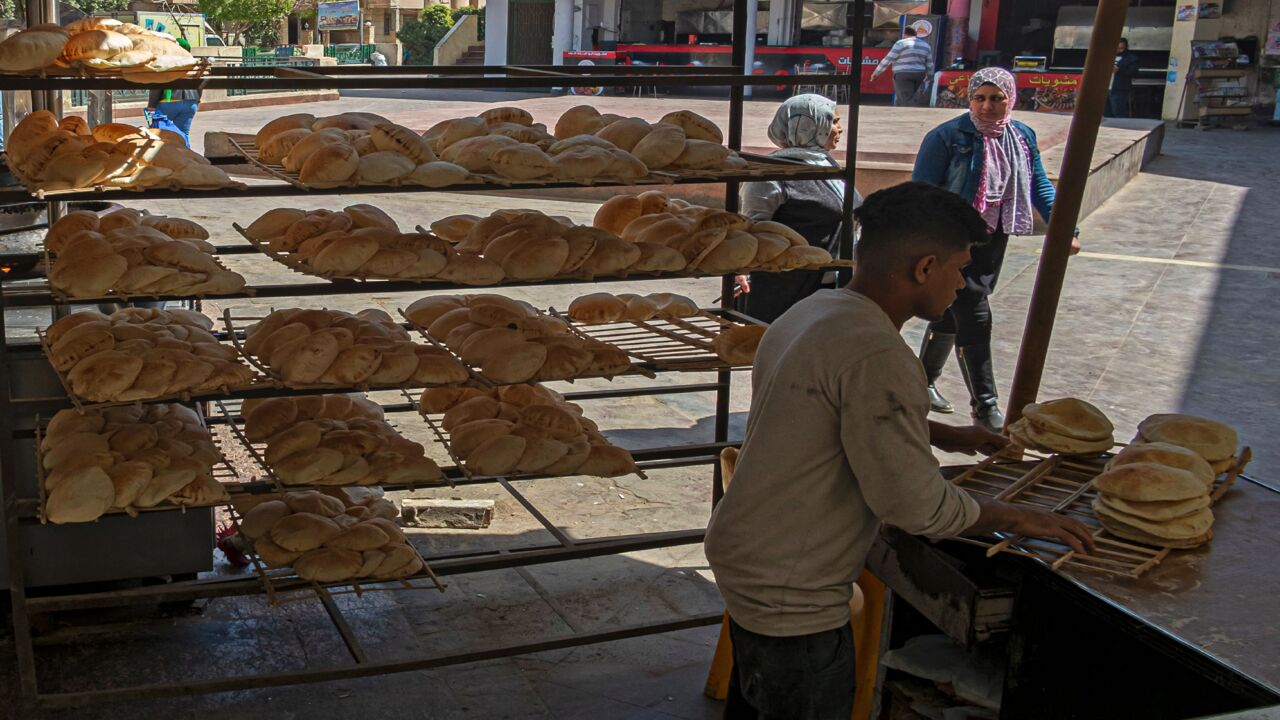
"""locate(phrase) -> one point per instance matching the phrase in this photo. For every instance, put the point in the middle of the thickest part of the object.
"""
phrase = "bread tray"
(283, 586)
(668, 343)
(756, 166)
(436, 423)
(111, 296)
(259, 382)
(235, 328)
(200, 69)
(633, 369)
(1064, 484)
(269, 481)
(223, 471)
(42, 194)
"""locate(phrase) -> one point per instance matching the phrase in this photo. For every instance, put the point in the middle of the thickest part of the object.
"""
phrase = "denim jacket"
(952, 156)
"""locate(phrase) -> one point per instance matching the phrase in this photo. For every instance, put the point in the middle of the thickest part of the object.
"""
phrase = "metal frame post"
(1076, 161)
(845, 249)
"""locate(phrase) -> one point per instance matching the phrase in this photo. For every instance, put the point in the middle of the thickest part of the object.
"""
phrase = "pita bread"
(1183, 528)
(1213, 440)
(1032, 437)
(1070, 417)
(1149, 482)
(1156, 511)
(1173, 456)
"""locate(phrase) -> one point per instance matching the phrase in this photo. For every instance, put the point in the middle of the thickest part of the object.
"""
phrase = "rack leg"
(23, 647)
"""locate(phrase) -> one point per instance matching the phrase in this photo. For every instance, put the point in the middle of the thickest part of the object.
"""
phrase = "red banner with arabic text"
(1041, 92)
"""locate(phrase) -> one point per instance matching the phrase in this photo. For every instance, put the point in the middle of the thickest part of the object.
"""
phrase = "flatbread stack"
(710, 241)
(680, 140)
(527, 245)
(523, 429)
(332, 348)
(48, 154)
(1155, 504)
(330, 539)
(360, 241)
(130, 253)
(602, 308)
(510, 342)
(142, 354)
(126, 458)
(1069, 426)
(334, 440)
(96, 44)
(737, 345)
(1214, 441)
(101, 43)
(351, 149)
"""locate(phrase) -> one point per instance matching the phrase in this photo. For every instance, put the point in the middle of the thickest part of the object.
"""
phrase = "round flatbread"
(1156, 511)
(1070, 417)
(1032, 437)
(1174, 456)
(1213, 440)
(1149, 482)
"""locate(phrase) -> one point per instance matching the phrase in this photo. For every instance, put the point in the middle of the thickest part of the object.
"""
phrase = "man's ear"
(924, 267)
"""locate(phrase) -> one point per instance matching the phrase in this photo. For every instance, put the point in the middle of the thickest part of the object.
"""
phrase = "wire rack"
(632, 369)
(257, 453)
(235, 326)
(436, 424)
(283, 586)
(222, 471)
(1064, 484)
(259, 382)
(199, 70)
(667, 343)
(756, 166)
(63, 297)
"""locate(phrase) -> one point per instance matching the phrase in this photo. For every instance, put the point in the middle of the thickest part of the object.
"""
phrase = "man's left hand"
(969, 440)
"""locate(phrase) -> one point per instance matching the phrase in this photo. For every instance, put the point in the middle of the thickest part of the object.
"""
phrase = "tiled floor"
(1154, 317)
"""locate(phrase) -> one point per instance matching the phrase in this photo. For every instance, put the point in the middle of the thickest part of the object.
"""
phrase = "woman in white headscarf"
(805, 128)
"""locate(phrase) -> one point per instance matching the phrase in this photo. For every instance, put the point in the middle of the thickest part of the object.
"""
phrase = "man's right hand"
(1052, 526)
(741, 285)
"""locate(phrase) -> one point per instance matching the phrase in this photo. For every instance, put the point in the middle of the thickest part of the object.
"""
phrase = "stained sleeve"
(884, 429)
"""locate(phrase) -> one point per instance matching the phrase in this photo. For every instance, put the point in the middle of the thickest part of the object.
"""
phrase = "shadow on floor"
(224, 637)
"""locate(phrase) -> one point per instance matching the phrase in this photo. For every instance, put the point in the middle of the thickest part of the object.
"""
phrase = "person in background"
(837, 443)
(992, 161)
(912, 61)
(805, 128)
(1122, 81)
(377, 59)
(178, 105)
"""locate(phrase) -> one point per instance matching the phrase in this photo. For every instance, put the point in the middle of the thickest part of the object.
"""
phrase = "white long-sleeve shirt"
(837, 442)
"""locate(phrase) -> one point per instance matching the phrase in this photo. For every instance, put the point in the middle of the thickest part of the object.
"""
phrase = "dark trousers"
(1118, 104)
(774, 293)
(969, 317)
(805, 677)
(906, 86)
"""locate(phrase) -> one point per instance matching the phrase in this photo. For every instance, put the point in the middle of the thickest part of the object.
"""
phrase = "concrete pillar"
(1178, 94)
(748, 61)
(957, 30)
(368, 33)
(987, 30)
(562, 35)
(784, 19)
(495, 32)
(282, 31)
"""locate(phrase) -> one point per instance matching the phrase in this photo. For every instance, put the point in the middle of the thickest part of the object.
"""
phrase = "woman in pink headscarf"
(991, 160)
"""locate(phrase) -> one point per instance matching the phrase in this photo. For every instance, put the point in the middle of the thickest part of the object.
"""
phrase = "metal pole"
(851, 137)
(738, 60)
(749, 37)
(1076, 160)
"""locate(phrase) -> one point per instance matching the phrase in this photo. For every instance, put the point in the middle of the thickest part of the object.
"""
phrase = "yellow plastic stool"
(866, 611)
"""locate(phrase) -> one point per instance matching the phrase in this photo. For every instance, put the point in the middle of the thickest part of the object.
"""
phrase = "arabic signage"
(768, 61)
(1041, 92)
(343, 15)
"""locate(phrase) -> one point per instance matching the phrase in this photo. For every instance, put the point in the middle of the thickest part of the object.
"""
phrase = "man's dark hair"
(1126, 42)
(901, 224)
(909, 31)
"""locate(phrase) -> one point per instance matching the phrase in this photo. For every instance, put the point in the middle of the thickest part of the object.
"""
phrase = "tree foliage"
(420, 36)
(233, 17)
(99, 7)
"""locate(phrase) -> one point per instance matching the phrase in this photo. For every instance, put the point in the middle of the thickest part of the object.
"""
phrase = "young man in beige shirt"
(838, 442)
